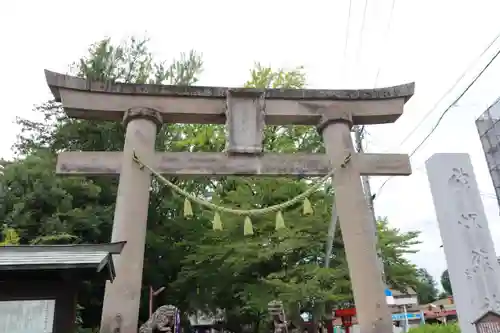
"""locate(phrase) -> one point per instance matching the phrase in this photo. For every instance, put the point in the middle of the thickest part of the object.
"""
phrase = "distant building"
(440, 311)
(404, 305)
(488, 127)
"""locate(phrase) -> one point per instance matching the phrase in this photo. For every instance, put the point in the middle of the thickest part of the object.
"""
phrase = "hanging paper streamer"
(188, 210)
(217, 222)
(307, 208)
(280, 222)
(247, 227)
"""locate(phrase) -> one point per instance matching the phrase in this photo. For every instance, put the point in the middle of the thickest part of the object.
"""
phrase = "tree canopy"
(200, 268)
(445, 282)
(436, 328)
(426, 288)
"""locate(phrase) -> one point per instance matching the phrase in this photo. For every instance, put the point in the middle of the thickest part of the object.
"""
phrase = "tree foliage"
(9, 237)
(200, 268)
(445, 283)
(395, 245)
(436, 328)
(426, 287)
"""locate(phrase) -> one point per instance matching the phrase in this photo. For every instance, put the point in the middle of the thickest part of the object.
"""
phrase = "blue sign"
(410, 316)
(388, 292)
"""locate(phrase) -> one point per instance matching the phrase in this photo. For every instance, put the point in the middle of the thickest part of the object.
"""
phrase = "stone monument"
(468, 246)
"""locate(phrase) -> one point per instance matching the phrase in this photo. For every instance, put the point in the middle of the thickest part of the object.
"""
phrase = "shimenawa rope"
(243, 212)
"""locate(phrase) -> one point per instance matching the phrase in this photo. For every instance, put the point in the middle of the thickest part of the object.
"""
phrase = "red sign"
(351, 312)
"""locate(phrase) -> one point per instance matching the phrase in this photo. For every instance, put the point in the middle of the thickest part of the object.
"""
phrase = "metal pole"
(406, 318)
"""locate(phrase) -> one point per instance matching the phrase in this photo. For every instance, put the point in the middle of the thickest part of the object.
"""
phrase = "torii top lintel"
(88, 99)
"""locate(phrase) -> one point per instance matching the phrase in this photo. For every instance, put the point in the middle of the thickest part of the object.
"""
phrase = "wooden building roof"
(23, 260)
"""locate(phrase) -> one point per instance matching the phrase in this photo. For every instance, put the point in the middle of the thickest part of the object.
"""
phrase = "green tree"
(47, 208)
(445, 283)
(244, 274)
(200, 268)
(9, 236)
(436, 328)
(395, 246)
(426, 287)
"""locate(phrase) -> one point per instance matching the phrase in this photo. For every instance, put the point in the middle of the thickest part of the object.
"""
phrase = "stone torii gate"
(144, 108)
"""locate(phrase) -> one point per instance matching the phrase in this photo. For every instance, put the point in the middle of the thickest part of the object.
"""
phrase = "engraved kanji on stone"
(491, 302)
(459, 181)
(480, 258)
(468, 274)
(478, 276)
(460, 176)
(468, 220)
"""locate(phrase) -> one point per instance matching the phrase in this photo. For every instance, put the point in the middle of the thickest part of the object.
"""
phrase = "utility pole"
(331, 235)
(359, 132)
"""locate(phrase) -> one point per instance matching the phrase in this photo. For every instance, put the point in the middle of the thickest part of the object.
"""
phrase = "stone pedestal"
(468, 246)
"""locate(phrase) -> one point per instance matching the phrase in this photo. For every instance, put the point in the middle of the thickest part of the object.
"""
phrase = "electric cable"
(445, 112)
(449, 91)
(346, 38)
(386, 38)
(361, 32)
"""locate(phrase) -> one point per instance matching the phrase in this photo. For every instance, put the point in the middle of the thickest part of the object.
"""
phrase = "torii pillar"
(360, 244)
(130, 221)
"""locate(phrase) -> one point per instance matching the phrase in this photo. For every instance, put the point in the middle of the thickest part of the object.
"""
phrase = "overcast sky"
(430, 42)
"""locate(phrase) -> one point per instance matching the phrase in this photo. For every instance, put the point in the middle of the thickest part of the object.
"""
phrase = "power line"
(445, 112)
(346, 38)
(449, 91)
(361, 32)
(456, 101)
(387, 34)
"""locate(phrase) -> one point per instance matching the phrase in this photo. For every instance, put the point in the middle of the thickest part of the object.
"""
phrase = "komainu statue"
(165, 319)
(278, 319)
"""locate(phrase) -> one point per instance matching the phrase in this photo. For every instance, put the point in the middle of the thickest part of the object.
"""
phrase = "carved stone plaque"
(468, 246)
(245, 122)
